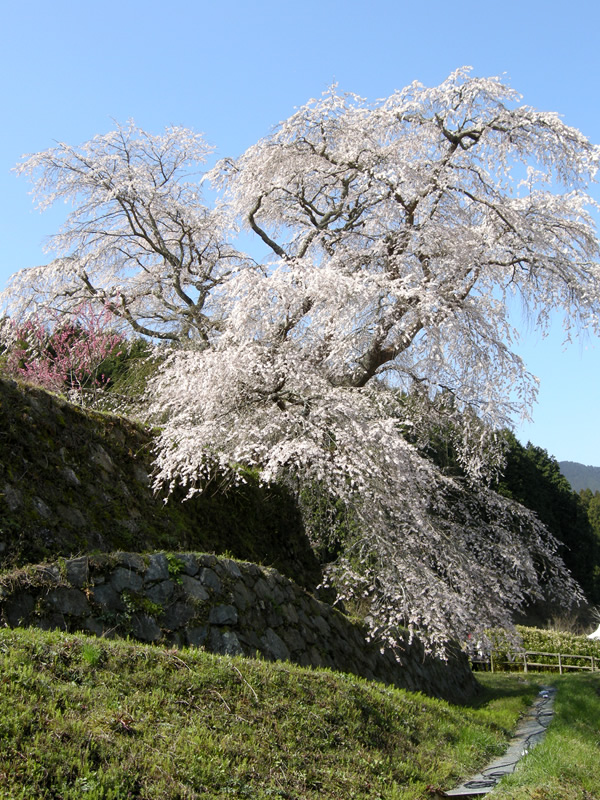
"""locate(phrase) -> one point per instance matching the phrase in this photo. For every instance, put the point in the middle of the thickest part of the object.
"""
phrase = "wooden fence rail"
(523, 661)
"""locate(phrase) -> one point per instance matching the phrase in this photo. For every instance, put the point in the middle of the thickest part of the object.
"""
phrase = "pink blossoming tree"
(62, 356)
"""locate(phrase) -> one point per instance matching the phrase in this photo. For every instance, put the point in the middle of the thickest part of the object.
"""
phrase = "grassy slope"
(81, 717)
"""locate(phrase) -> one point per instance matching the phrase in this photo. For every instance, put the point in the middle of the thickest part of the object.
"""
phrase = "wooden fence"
(523, 661)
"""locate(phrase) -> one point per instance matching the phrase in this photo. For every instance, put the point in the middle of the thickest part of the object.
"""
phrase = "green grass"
(91, 718)
(83, 717)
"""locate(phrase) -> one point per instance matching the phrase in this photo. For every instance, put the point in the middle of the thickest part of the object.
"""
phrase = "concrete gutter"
(530, 731)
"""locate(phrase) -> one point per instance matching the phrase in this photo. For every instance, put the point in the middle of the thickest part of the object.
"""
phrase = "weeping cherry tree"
(395, 237)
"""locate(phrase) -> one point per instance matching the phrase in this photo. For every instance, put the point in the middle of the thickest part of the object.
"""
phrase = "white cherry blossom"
(397, 234)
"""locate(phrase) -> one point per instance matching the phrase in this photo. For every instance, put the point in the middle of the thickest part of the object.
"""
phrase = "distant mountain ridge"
(581, 476)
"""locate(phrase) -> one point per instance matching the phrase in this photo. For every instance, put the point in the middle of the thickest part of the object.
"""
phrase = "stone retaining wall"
(224, 606)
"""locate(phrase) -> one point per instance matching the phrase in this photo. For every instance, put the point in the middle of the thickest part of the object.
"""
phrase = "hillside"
(75, 484)
(82, 715)
(581, 476)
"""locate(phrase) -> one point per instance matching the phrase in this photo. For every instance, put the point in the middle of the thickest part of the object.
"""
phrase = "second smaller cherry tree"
(63, 354)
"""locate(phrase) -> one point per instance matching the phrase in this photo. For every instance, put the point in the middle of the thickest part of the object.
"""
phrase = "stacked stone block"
(224, 606)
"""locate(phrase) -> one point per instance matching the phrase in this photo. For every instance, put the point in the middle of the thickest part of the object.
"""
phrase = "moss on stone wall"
(225, 606)
(74, 481)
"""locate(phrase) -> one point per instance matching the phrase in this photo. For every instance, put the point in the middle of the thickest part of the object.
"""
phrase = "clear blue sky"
(234, 68)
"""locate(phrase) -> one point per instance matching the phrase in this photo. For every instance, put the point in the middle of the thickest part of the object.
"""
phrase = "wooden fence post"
(514, 659)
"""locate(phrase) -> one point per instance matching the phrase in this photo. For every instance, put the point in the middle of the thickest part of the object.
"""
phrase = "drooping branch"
(263, 235)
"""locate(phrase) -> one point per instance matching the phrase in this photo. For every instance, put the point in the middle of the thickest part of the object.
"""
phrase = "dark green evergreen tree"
(591, 502)
(533, 478)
